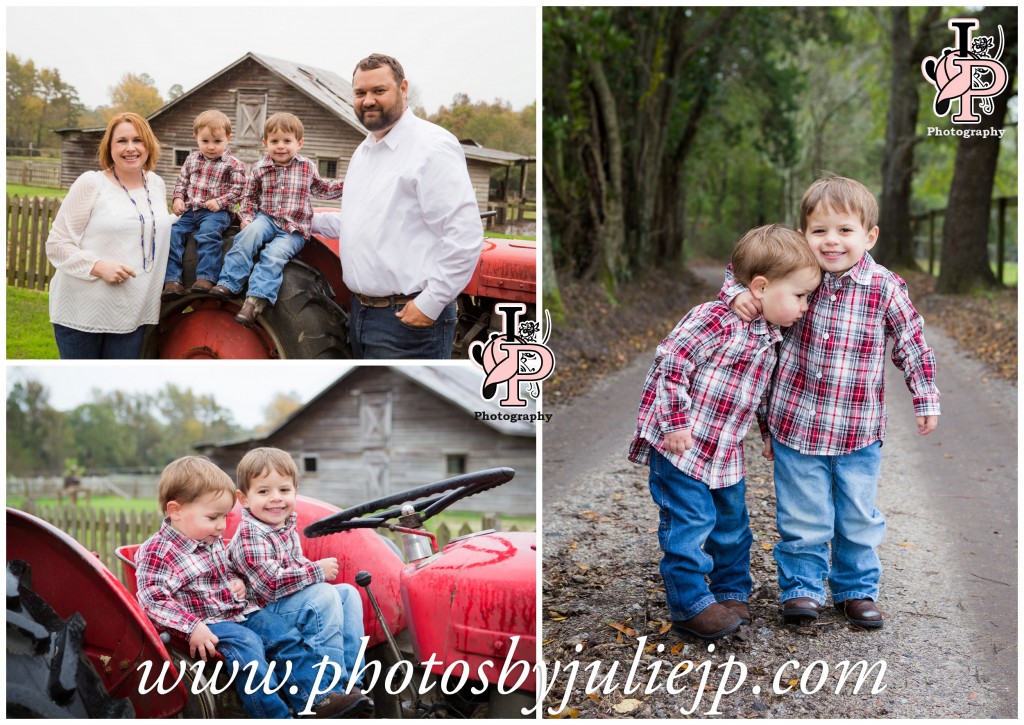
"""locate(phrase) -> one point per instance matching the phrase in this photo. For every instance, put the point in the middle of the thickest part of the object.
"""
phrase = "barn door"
(378, 474)
(375, 419)
(251, 115)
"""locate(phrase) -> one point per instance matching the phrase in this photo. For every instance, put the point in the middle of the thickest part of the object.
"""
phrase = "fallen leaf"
(572, 545)
(589, 515)
(594, 696)
(623, 629)
(665, 627)
(569, 712)
(971, 695)
(584, 567)
(677, 648)
(766, 546)
(617, 496)
(626, 706)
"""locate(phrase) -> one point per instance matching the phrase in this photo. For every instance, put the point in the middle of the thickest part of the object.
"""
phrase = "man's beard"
(386, 117)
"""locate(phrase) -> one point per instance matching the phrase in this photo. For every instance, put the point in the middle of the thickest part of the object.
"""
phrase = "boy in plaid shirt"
(267, 551)
(708, 377)
(186, 583)
(277, 217)
(827, 412)
(209, 185)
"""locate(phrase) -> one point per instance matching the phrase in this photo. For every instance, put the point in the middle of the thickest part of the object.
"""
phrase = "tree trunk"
(552, 299)
(965, 261)
(896, 247)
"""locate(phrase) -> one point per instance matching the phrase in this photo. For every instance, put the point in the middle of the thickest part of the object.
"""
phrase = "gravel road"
(949, 587)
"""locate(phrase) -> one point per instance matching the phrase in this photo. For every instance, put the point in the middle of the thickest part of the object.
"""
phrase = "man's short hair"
(190, 478)
(260, 461)
(214, 120)
(840, 194)
(286, 122)
(771, 251)
(378, 60)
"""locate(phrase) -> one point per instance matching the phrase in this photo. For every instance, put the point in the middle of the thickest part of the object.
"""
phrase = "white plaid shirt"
(271, 560)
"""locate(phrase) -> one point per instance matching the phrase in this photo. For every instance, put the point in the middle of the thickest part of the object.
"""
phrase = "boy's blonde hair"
(214, 120)
(287, 122)
(190, 478)
(259, 461)
(838, 193)
(771, 251)
(103, 156)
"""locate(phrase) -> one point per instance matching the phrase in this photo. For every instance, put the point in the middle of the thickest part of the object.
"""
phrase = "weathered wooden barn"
(378, 430)
(248, 91)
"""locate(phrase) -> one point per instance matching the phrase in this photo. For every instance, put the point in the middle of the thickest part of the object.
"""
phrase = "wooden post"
(1000, 238)
(931, 242)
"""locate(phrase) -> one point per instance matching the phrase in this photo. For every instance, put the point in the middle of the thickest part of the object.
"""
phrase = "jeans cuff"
(720, 597)
(786, 596)
(844, 596)
(696, 609)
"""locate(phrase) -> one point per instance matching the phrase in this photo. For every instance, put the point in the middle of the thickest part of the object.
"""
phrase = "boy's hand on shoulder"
(178, 206)
(745, 306)
(927, 423)
(330, 567)
(213, 205)
(767, 453)
(237, 588)
(202, 642)
(679, 442)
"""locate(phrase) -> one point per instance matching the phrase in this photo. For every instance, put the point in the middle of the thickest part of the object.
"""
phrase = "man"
(410, 228)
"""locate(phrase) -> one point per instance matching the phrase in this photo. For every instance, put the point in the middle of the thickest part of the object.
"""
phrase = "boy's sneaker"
(713, 622)
(339, 704)
(798, 609)
(862, 612)
(171, 291)
(740, 608)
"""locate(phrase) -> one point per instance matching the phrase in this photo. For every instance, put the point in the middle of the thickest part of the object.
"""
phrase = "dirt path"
(949, 589)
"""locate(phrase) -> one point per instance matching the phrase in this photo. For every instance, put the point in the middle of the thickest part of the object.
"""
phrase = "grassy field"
(19, 190)
(1009, 271)
(29, 332)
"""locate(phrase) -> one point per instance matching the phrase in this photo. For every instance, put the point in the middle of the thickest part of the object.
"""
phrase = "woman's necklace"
(147, 263)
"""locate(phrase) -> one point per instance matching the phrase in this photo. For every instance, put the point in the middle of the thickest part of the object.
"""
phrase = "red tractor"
(310, 318)
(77, 639)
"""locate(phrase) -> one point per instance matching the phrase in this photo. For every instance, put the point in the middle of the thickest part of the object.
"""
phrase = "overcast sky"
(243, 387)
(485, 52)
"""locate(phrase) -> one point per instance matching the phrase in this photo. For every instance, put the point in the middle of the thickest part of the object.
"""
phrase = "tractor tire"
(48, 673)
(305, 321)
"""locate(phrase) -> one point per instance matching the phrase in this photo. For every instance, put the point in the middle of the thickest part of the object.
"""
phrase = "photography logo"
(513, 356)
(969, 73)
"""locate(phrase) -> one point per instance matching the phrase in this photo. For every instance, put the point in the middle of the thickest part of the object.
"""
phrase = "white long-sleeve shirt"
(97, 221)
(409, 222)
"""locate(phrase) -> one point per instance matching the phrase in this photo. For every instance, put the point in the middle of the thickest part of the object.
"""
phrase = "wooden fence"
(103, 531)
(28, 225)
(933, 232)
(34, 173)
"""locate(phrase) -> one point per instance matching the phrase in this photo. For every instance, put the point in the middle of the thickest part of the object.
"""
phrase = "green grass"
(29, 332)
(496, 235)
(107, 503)
(1009, 271)
(19, 190)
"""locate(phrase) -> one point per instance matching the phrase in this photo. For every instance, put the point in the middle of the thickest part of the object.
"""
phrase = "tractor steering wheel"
(450, 490)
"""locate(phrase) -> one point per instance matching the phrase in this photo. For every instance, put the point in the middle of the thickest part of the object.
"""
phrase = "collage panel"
(775, 235)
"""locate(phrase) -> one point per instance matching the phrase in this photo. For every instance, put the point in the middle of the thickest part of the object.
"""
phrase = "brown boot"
(221, 292)
(713, 622)
(799, 610)
(172, 290)
(247, 315)
(339, 704)
(740, 608)
(202, 286)
(862, 612)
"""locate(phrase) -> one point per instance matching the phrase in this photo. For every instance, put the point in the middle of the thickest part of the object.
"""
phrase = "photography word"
(514, 417)
(810, 679)
(966, 132)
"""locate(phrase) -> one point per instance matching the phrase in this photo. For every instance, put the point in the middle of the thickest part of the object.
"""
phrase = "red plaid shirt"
(709, 374)
(271, 559)
(829, 393)
(183, 582)
(202, 179)
(284, 192)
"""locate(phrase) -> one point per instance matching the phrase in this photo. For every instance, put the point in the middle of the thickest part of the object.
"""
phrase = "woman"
(109, 244)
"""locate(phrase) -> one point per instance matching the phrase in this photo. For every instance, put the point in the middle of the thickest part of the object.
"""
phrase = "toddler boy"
(827, 411)
(210, 184)
(267, 551)
(708, 377)
(186, 583)
(277, 217)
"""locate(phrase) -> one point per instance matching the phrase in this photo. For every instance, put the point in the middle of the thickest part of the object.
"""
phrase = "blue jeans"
(330, 619)
(702, 531)
(376, 334)
(209, 227)
(275, 248)
(824, 500)
(262, 637)
(78, 345)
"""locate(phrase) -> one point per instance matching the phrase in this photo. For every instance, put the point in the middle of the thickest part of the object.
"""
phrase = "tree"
(22, 102)
(901, 134)
(279, 408)
(37, 437)
(964, 258)
(136, 93)
(175, 91)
